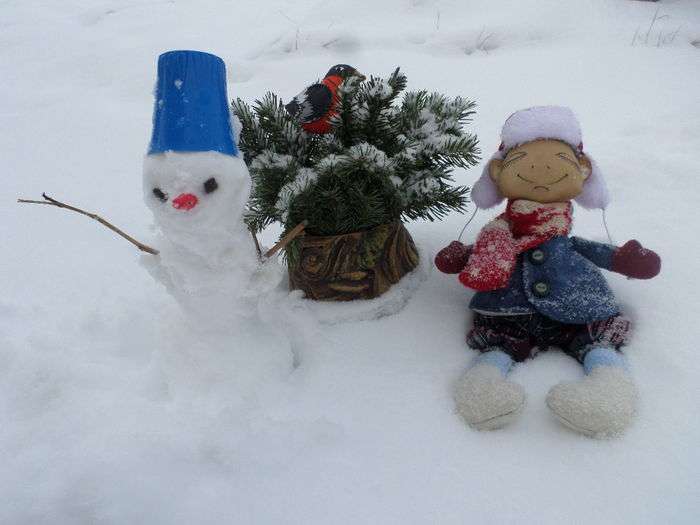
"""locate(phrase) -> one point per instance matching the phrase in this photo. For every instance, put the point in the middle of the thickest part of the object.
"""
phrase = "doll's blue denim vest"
(559, 279)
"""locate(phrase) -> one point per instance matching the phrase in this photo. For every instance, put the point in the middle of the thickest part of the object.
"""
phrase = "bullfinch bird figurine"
(316, 105)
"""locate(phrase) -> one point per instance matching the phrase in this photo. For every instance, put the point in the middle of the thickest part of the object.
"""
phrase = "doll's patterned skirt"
(523, 336)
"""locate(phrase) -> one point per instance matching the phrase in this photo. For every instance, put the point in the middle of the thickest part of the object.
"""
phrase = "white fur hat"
(541, 122)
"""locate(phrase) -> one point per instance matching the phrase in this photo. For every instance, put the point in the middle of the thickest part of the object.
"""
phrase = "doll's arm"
(453, 258)
(598, 253)
(630, 259)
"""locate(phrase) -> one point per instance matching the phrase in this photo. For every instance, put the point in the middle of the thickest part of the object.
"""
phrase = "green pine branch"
(390, 156)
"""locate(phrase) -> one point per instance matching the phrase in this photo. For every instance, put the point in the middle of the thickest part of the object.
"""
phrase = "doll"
(538, 287)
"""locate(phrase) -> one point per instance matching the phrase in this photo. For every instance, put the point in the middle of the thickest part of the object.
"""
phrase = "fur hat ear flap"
(484, 193)
(595, 192)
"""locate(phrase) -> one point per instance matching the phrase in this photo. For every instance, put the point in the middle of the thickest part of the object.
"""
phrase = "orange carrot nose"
(185, 201)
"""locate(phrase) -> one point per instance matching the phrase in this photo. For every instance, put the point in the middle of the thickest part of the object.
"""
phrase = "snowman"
(238, 326)
(233, 339)
(196, 184)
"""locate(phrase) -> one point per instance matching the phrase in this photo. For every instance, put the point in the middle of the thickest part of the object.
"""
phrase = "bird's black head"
(344, 71)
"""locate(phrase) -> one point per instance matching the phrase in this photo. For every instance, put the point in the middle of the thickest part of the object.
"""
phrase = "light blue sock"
(497, 358)
(601, 356)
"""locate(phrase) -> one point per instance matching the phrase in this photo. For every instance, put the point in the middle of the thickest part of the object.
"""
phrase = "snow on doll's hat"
(542, 122)
(191, 106)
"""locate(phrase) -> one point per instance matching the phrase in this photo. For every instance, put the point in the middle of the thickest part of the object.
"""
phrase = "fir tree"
(383, 161)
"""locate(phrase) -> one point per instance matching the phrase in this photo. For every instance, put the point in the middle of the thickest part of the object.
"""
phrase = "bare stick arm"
(258, 250)
(284, 241)
(53, 202)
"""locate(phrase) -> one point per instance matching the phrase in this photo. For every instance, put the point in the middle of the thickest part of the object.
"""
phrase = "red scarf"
(524, 225)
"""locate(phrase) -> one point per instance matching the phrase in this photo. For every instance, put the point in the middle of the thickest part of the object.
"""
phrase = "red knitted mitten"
(453, 258)
(633, 260)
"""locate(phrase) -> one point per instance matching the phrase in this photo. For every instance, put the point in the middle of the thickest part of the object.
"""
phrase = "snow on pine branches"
(383, 160)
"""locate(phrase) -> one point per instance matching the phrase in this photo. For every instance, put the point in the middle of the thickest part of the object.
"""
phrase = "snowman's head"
(197, 192)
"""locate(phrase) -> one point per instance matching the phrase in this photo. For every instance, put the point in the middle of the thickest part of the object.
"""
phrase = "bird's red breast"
(323, 125)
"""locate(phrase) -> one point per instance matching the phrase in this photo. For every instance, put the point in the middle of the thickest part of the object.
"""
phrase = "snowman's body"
(207, 256)
(208, 263)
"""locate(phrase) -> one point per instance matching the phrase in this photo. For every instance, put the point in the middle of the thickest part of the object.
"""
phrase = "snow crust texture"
(117, 407)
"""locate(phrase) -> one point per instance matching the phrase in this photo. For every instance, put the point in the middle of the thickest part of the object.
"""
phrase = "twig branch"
(284, 241)
(257, 244)
(53, 202)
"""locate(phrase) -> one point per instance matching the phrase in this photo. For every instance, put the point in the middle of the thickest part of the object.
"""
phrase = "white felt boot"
(486, 400)
(602, 404)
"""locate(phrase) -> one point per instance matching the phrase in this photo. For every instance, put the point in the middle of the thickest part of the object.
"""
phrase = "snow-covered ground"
(112, 412)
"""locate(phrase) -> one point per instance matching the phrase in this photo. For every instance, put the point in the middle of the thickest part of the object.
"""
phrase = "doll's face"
(542, 171)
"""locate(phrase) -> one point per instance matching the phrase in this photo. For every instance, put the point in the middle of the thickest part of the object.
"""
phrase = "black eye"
(210, 185)
(159, 194)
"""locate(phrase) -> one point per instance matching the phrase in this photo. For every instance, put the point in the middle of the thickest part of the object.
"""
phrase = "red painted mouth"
(185, 201)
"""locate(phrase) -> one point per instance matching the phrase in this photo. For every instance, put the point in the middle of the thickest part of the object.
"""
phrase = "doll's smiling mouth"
(546, 185)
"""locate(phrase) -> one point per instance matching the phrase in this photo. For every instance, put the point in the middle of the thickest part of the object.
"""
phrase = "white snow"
(381, 89)
(305, 179)
(115, 409)
(372, 156)
(272, 160)
(422, 183)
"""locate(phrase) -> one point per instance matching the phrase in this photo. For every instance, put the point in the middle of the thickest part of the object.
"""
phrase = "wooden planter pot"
(360, 265)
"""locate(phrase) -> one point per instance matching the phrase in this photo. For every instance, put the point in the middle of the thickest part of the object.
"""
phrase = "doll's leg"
(485, 398)
(601, 404)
